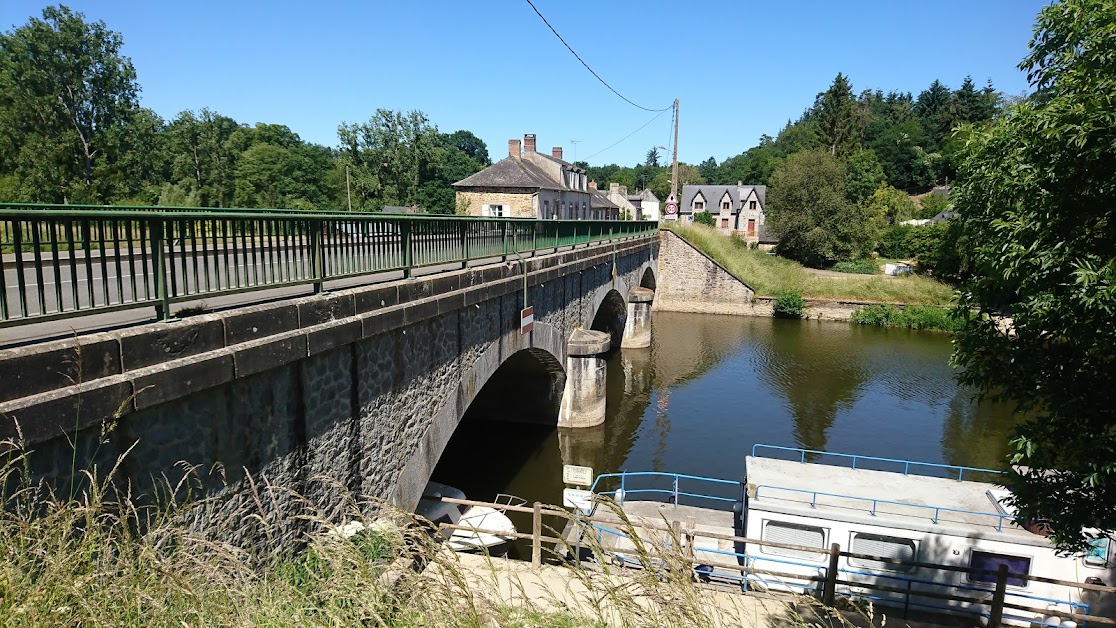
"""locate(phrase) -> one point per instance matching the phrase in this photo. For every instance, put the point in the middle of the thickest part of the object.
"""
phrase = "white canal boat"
(911, 517)
(489, 529)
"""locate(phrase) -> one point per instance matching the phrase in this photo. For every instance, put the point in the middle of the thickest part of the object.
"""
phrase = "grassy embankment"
(84, 561)
(770, 275)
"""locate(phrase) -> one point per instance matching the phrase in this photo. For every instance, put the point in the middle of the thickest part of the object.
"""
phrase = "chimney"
(613, 188)
(513, 148)
(592, 185)
(739, 184)
(556, 152)
(529, 143)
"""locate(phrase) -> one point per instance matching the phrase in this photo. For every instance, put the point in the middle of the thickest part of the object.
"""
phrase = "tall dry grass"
(770, 275)
(98, 559)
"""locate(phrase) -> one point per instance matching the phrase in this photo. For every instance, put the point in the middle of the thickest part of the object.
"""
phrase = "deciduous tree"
(1035, 195)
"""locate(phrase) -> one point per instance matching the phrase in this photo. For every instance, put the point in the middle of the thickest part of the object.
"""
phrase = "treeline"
(72, 131)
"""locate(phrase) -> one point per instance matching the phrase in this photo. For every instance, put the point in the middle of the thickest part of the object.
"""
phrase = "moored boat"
(488, 528)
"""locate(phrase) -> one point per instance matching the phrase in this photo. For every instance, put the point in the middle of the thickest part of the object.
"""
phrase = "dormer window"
(699, 205)
(751, 205)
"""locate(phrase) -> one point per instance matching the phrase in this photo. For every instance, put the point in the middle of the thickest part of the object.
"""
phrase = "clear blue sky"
(740, 68)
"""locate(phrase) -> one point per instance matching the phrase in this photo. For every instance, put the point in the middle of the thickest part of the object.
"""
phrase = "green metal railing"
(60, 262)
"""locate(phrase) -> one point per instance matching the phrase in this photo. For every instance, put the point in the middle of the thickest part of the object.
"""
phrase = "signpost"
(671, 208)
(527, 319)
(573, 474)
(577, 498)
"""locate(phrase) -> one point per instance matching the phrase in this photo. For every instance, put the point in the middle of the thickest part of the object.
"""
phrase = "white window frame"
(795, 554)
(495, 211)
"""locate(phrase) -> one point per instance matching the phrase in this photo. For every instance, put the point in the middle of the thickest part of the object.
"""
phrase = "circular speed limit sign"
(672, 208)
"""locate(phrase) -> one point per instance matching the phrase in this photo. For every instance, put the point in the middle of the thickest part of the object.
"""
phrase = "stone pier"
(583, 400)
(637, 329)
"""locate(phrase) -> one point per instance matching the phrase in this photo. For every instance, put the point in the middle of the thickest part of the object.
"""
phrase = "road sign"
(576, 498)
(527, 319)
(671, 209)
(573, 474)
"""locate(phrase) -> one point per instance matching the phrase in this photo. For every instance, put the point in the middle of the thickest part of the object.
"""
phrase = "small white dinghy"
(489, 527)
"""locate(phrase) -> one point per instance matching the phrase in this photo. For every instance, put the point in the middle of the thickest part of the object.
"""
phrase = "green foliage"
(864, 175)
(1035, 196)
(807, 207)
(938, 248)
(704, 218)
(835, 111)
(910, 317)
(895, 242)
(932, 205)
(67, 95)
(789, 304)
(857, 266)
(891, 205)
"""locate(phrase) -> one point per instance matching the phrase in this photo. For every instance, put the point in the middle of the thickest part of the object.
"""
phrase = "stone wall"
(689, 281)
(516, 204)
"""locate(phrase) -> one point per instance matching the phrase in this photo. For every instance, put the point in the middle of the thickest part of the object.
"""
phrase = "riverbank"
(770, 275)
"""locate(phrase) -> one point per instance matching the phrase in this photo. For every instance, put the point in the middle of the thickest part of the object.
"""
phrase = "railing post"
(408, 249)
(829, 592)
(317, 260)
(504, 239)
(464, 244)
(536, 535)
(159, 260)
(996, 613)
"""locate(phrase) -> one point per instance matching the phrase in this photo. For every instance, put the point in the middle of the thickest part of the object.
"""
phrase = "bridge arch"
(533, 363)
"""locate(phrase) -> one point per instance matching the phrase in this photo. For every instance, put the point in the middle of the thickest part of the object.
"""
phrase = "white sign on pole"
(527, 319)
(577, 498)
(573, 474)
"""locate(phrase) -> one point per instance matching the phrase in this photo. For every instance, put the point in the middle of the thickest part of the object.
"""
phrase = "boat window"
(793, 534)
(884, 547)
(991, 562)
(1097, 555)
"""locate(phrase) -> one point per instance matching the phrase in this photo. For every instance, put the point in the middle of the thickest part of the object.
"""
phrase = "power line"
(613, 145)
(603, 82)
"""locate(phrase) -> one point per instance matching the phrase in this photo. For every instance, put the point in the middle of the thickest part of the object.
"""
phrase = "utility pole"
(575, 143)
(349, 192)
(674, 166)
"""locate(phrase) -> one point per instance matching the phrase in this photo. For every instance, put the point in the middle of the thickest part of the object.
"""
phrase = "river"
(711, 386)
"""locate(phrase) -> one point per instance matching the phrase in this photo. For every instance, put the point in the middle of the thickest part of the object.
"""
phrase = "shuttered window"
(883, 547)
(794, 534)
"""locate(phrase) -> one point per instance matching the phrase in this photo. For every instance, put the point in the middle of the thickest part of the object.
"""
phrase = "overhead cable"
(598, 76)
(656, 117)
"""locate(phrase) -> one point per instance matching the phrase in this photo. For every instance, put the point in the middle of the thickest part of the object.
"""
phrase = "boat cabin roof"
(882, 498)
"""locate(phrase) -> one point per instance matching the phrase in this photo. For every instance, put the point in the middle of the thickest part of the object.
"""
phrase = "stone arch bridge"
(363, 386)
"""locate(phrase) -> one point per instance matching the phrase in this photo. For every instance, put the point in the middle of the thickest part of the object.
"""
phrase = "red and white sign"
(671, 208)
(527, 319)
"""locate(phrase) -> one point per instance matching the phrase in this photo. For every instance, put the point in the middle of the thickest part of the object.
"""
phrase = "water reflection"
(712, 386)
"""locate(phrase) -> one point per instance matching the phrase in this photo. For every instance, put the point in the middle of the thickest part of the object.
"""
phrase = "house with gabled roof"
(530, 184)
(736, 209)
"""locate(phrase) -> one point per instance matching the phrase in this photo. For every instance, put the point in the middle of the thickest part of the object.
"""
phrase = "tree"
(836, 117)
(652, 159)
(894, 206)
(708, 170)
(201, 155)
(1035, 197)
(807, 207)
(64, 91)
(865, 174)
(468, 144)
(388, 155)
(704, 218)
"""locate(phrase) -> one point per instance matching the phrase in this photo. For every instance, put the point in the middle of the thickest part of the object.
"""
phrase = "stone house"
(601, 203)
(646, 204)
(618, 194)
(530, 184)
(736, 209)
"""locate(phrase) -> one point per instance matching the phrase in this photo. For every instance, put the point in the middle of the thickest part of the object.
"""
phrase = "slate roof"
(765, 236)
(600, 200)
(511, 172)
(565, 163)
(714, 193)
(943, 216)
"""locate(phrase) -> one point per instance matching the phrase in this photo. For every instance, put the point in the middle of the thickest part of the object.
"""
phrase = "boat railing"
(937, 510)
(908, 465)
(677, 489)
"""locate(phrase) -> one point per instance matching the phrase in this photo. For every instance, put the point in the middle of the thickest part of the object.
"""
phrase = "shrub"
(896, 242)
(703, 218)
(857, 266)
(789, 304)
(911, 317)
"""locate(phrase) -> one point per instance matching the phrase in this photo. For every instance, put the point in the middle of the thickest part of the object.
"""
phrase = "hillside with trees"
(72, 131)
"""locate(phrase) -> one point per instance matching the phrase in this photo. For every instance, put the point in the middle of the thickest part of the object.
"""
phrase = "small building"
(530, 184)
(601, 203)
(646, 204)
(618, 194)
(736, 209)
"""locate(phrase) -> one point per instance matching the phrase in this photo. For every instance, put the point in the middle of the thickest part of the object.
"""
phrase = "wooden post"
(536, 535)
(830, 589)
(690, 540)
(996, 613)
